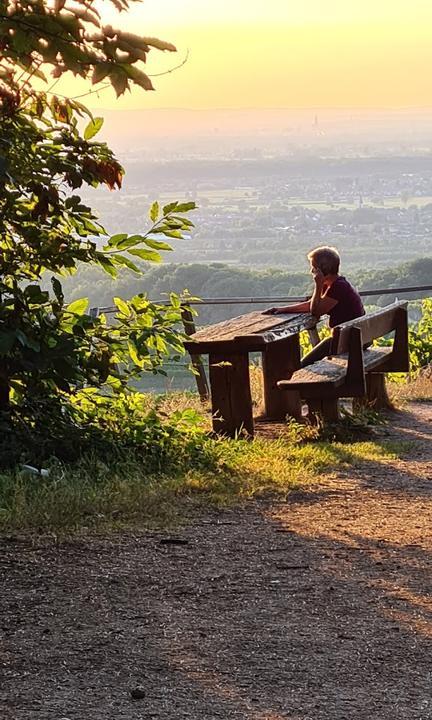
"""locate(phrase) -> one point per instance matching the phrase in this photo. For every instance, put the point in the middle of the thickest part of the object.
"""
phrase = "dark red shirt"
(349, 303)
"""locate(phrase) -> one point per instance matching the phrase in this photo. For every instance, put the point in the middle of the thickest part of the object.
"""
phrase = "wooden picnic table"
(228, 345)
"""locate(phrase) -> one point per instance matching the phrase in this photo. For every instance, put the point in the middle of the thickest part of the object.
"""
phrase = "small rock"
(138, 693)
(173, 541)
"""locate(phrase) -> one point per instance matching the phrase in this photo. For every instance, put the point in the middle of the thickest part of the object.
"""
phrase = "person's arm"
(302, 307)
(320, 303)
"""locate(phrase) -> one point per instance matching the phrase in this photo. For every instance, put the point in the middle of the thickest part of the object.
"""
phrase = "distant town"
(262, 211)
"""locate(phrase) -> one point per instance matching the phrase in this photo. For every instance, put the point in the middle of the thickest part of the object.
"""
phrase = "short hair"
(327, 259)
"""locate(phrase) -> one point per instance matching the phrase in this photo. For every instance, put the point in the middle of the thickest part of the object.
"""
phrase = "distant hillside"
(220, 280)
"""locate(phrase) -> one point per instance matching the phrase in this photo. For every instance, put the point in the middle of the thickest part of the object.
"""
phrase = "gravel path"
(315, 609)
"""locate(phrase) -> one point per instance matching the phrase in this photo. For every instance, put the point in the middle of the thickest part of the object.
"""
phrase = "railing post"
(197, 363)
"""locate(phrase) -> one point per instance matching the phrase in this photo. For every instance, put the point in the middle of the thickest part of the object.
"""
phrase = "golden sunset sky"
(283, 53)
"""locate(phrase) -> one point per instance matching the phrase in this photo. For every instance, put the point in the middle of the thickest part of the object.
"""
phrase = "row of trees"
(221, 280)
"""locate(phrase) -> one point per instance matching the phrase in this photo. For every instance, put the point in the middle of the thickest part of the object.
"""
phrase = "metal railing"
(275, 299)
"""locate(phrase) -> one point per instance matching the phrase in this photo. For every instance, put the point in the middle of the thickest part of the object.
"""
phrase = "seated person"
(333, 295)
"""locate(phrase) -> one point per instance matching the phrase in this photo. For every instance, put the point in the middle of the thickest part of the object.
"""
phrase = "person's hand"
(319, 278)
(271, 311)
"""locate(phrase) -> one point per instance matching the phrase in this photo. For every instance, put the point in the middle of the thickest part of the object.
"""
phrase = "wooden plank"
(375, 357)
(224, 346)
(231, 394)
(228, 329)
(374, 325)
(333, 370)
(280, 360)
(204, 342)
(252, 323)
(399, 360)
(330, 370)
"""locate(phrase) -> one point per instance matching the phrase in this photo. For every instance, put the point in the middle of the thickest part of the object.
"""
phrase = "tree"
(47, 153)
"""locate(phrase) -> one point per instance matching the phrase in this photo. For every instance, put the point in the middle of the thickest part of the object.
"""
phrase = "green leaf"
(107, 264)
(129, 241)
(122, 260)
(167, 209)
(93, 128)
(116, 239)
(58, 290)
(175, 301)
(154, 211)
(36, 295)
(149, 255)
(157, 244)
(173, 234)
(134, 355)
(185, 207)
(78, 307)
(122, 306)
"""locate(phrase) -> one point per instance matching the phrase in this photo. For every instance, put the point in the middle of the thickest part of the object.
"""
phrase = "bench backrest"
(373, 326)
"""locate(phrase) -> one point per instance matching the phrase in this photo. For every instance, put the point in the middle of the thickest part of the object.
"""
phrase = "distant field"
(228, 198)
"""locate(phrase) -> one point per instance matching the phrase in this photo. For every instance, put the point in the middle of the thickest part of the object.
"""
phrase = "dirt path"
(316, 609)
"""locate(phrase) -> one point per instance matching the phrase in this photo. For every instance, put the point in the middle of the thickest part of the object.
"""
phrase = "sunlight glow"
(298, 53)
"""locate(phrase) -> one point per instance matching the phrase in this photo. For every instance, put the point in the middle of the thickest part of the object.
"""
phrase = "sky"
(282, 54)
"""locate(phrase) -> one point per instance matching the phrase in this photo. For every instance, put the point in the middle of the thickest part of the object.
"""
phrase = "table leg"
(231, 394)
(279, 361)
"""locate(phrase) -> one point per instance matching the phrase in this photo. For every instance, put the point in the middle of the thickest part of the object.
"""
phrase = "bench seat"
(333, 370)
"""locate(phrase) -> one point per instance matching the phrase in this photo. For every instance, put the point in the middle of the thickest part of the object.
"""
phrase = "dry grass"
(418, 389)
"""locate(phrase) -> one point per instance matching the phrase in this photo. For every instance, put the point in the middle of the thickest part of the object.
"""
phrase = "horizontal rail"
(272, 299)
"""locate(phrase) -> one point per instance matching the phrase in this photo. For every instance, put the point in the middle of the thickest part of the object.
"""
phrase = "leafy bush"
(420, 338)
(67, 428)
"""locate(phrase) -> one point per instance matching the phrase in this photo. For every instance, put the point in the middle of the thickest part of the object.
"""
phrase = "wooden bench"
(353, 370)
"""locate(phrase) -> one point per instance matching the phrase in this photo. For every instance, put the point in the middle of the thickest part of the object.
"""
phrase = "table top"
(249, 332)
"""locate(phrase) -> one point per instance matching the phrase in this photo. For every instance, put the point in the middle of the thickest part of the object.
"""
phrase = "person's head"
(326, 259)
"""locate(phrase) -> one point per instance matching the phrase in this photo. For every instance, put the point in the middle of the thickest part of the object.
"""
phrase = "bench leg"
(327, 409)
(231, 394)
(279, 361)
(377, 395)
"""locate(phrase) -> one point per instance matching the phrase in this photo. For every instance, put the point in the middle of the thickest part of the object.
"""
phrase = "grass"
(174, 473)
(419, 389)
(93, 493)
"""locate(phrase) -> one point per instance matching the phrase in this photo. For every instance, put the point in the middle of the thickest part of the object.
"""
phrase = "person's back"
(349, 303)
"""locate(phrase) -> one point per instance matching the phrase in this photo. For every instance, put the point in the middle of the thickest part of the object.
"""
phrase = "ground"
(315, 609)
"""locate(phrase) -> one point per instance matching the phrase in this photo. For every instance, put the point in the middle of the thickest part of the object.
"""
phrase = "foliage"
(46, 154)
(420, 338)
(67, 427)
(69, 36)
(419, 342)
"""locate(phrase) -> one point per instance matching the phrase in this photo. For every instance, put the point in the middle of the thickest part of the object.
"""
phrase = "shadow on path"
(300, 611)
